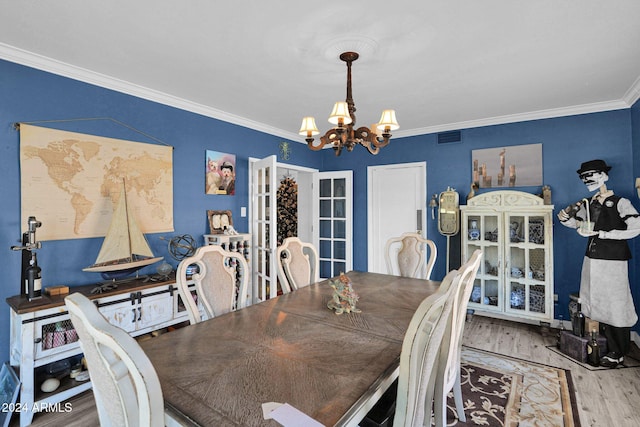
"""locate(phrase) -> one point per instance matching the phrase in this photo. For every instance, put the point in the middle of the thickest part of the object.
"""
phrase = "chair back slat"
(420, 353)
(297, 263)
(218, 286)
(406, 255)
(449, 363)
(125, 384)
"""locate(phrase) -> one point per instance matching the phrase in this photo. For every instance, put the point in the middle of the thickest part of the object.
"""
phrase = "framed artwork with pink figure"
(220, 173)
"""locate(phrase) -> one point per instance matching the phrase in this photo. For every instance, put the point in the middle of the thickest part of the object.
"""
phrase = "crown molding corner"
(633, 94)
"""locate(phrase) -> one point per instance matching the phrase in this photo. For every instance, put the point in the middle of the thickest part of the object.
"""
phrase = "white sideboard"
(42, 334)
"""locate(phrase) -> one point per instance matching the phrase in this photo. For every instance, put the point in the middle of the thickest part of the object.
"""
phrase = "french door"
(331, 207)
(335, 199)
(263, 229)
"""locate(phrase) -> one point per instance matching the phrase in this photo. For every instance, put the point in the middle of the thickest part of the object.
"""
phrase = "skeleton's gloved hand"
(586, 233)
(563, 216)
(569, 212)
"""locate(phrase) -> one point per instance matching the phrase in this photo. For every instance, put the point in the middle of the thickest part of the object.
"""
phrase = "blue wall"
(31, 95)
(566, 143)
(28, 95)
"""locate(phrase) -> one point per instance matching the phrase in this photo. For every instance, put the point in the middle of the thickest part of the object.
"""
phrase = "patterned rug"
(503, 391)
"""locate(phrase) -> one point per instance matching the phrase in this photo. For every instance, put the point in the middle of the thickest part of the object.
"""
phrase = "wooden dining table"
(289, 349)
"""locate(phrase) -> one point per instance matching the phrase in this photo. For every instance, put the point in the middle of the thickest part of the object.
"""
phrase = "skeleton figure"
(607, 221)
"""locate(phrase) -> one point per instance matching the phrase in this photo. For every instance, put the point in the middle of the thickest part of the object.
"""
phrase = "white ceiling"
(441, 65)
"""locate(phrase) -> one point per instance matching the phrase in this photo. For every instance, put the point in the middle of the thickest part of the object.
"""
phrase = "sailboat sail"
(124, 246)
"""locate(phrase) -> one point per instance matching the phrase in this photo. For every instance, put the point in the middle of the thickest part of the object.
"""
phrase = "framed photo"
(9, 387)
(219, 220)
(220, 173)
(513, 166)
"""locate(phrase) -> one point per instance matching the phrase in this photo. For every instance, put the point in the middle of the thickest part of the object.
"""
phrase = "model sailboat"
(125, 249)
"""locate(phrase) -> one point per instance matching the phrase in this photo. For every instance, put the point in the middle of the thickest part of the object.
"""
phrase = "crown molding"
(44, 63)
(60, 68)
(597, 107)
(633, 94)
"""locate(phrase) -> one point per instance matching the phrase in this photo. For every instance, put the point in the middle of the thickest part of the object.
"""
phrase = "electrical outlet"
(555, 297)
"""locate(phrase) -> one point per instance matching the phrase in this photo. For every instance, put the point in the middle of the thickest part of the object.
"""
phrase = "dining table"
(289, 349)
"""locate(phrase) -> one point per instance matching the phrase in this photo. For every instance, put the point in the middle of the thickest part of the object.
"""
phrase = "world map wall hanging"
(72, 181)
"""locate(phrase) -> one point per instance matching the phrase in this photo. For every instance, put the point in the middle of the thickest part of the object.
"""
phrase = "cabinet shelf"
(67, 386)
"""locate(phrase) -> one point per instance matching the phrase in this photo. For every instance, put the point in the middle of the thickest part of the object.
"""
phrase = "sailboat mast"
(126, 210)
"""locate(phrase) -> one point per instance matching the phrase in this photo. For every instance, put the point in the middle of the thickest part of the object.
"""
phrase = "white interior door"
(264, 225)
(335, 202)
(397, 201)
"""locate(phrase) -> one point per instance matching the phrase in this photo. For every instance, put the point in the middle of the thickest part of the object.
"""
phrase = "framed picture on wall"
(512, 166)
(219, 221)
(220, 173)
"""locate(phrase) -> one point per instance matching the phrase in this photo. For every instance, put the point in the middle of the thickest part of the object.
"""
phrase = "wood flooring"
(605, 397)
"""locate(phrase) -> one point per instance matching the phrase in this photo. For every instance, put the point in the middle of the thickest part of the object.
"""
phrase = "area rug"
(504, 391)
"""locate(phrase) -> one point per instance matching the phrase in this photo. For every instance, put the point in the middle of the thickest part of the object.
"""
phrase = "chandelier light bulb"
(340, 113)
(388, 121)
(308, 127)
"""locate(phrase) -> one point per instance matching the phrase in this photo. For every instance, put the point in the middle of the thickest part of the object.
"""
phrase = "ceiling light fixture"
(345, 135)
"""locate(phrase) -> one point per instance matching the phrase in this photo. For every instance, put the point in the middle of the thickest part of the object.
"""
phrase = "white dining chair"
(448, 378)
(420, 354)
(125, 384)
(407, 254)
(218, 286)
(297, 263)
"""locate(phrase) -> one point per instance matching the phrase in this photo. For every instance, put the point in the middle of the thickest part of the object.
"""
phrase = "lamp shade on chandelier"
(345, 134)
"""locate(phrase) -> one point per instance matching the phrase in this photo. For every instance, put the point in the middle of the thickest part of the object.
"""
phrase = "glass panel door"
(335, 222)
(264, 226)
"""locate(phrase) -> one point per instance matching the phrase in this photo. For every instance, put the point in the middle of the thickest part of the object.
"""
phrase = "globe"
(181, 247)
(164, 269)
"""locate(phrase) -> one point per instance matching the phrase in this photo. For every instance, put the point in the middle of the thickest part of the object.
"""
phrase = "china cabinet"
(514, 231)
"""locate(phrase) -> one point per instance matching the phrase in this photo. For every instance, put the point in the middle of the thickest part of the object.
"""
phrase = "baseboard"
(503, 316)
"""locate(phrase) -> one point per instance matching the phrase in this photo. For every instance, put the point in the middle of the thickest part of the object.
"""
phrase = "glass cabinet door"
(484, 231)
(527, 264)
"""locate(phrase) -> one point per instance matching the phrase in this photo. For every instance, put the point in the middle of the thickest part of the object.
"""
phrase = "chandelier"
(345, 134)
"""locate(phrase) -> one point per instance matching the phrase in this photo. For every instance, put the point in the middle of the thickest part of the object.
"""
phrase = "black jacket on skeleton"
(606, 217)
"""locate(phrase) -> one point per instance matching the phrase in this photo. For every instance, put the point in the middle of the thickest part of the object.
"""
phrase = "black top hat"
(594, 165)
(227, 165)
